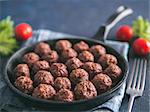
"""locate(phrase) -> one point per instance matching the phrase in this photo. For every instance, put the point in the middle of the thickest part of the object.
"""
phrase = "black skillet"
(80, 105)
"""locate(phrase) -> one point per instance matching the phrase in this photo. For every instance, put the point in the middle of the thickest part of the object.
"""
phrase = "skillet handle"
(120, 13)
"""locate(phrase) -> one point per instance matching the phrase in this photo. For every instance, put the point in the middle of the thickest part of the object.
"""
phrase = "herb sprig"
(7, 41)
(141, 28)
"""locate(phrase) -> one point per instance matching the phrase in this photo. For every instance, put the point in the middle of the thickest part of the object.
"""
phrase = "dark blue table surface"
(78, 17)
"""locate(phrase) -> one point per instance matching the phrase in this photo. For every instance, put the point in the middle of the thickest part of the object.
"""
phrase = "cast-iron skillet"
(80, 105)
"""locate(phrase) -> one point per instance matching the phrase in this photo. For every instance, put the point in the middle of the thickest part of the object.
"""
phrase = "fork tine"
(132, 73)
(144, 75)
(140, 74)
(136, 73)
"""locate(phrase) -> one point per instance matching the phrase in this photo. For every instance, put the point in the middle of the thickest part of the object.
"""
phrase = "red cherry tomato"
(23, 31)
(124, 33)
(141, 46)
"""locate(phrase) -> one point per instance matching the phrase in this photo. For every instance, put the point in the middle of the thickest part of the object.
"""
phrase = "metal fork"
(136, 82)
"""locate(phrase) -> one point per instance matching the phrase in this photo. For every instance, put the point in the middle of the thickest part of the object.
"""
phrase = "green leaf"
(7, 41)
(141, 28)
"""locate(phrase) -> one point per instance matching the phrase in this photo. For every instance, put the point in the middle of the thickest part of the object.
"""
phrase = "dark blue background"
(78, 17)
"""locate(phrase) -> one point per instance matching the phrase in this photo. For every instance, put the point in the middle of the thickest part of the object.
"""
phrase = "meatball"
(106, 60)
(62, 45)
(44, 91)
(40, 65)
(85, 90)
(68, 53)
(92, 68)
(62, 83)
(59, 70)
(43, 77)
(86, 56)
(51, 57)
(30, 58)
(73, 63)
(22, 70)
(102, 82)
(24, 84)
(78, 75)
(113, 71)
(97, 50)
(81, 46)
(42, 48)
(64, 95)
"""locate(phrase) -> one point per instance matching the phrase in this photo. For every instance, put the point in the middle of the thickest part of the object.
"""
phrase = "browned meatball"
(85, 90)
(64, 95)
(113, 71)
(22, 70)
(102, 82)
(62, 45)
(42, 48)
(92, 68)
(30, 58)
(62, 83)
(43, 77)
(59, 70)
(106, 60)
(24, 84)
(97, 50)
(51, 57)
(78, 75)
(68, 53)
(44, 91)
(40, 65)
(73, 63)
(81, 46)
(86, 56)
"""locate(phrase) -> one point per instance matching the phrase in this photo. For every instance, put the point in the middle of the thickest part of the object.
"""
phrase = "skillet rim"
(29, 97)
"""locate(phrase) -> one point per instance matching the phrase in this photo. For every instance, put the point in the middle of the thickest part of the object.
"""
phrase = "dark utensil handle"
(119, 14)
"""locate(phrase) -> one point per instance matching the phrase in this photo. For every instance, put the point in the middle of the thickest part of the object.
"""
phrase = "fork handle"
(131, 101)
